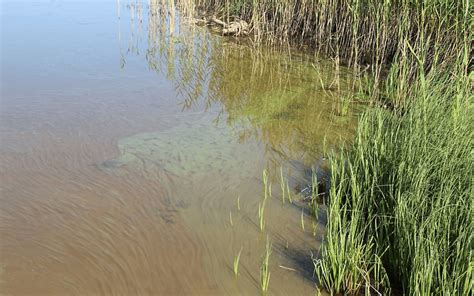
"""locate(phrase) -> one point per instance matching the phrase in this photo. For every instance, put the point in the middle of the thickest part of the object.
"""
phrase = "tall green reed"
(386, 35)
(401, 198)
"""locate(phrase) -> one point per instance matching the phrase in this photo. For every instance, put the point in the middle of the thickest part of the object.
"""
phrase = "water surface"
(127, 139)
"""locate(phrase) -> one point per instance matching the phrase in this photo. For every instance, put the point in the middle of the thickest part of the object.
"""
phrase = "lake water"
(133, 147)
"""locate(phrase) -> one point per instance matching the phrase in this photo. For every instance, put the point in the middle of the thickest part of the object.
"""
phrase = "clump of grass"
(401, 203)
(264, 267)
(347, 262)
(343, 105)
(236, 262)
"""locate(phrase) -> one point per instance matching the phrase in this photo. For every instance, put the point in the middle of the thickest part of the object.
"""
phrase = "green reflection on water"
(282, 99)
(287, 101)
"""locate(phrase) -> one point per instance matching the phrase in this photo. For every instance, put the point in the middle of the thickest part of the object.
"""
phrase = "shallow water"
(132, 152)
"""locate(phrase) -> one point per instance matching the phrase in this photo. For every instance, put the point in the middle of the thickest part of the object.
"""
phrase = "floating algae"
(186, 150)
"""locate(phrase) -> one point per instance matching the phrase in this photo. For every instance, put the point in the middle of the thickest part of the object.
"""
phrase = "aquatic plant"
(342, 108)
(290, 199)
(261, 217)
(402, 186)
(315, 227)
(282, 185)
(266, 186)
(264, 267)
(236, 262)
(367, 35)
(401, 201)
(302, 219)
(314, 202)
(261, 205)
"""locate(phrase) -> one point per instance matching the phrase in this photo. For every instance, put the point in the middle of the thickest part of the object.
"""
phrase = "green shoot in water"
(236, 262)
(261, 212)
(264, 268)
(314, 196)
(289, 192)
(315, 227)
(265, 184)
(282, 185)
(302, 219)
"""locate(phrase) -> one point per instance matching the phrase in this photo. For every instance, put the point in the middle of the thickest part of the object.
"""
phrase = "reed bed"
(387, 37)
(401, 207)
(401, 199)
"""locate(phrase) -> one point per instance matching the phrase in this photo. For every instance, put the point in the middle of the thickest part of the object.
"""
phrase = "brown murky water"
(132, 152)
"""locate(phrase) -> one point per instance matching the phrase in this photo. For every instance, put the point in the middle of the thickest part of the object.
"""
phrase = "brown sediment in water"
(70, 228)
